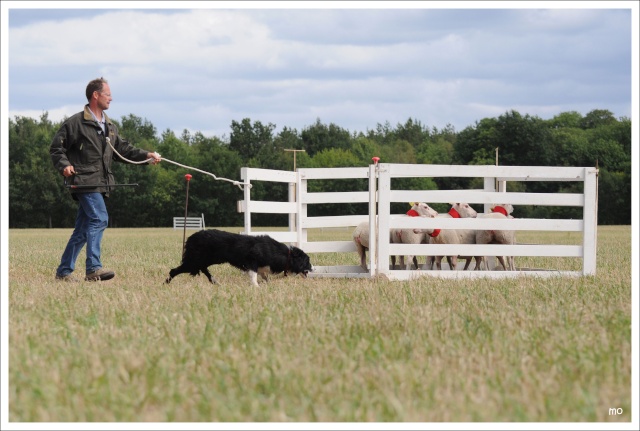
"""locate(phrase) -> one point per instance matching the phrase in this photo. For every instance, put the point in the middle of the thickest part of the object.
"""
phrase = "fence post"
(301, 190)
(384, 212)
(373, 217)
(244, 174)
(490, 184)
(590, 219)
(292, 198)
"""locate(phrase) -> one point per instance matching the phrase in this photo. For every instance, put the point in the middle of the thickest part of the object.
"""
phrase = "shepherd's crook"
(186, 204)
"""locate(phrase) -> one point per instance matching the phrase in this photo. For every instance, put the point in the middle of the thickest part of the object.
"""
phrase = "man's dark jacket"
(81, 143)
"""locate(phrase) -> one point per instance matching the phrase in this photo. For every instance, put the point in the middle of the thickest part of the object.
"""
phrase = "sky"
(199, 67)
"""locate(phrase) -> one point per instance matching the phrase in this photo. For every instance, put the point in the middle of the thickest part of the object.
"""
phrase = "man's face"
(104, 97)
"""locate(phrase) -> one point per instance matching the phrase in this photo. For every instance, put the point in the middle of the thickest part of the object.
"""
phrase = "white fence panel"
(267, 207)
(474, 196)
(189, 222)
(332, 221)
(332, 173)
(588, 200)
(502, 173)
(380, 196)
(282, 236)
(248, 207)
(399, 221)
(257, 174)
(546, 250)
(335, 197)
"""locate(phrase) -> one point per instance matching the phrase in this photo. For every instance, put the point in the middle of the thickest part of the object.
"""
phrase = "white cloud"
(54, 115)
(201, 69)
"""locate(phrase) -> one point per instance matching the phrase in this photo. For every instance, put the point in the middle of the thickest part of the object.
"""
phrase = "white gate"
(380, 195)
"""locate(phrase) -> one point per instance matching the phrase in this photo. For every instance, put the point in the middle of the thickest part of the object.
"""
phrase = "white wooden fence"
(380, 196)
(189, 222)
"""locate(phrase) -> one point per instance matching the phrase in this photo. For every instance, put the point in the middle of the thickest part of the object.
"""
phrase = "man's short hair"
(95, 85)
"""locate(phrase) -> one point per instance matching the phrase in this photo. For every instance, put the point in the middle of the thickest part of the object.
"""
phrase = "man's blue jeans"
(91, 221)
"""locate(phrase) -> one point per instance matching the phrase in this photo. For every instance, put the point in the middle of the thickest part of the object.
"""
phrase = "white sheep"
(502, 211)
(412, 236)
(451, 236)
(361, 234)
(361, 239)
(468, 236)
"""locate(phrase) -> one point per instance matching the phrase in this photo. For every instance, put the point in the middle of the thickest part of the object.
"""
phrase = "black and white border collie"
(254, 255)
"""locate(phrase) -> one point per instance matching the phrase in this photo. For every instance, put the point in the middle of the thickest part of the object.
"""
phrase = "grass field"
(133, 349)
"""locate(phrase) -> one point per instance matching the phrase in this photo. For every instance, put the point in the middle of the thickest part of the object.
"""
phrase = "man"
(82, 151)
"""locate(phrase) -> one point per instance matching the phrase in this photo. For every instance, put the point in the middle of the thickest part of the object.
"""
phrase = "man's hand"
(156, 158)
(68, 171)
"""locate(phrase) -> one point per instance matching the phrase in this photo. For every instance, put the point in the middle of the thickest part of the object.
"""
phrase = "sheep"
(361, 239)
(412, 236)
(469, 237)
(451, 236)
(361, 234)
(502, 211)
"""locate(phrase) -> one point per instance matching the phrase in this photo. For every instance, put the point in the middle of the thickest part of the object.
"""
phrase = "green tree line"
(38, 198)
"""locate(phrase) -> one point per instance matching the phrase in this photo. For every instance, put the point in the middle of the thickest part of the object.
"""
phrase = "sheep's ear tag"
(412, 203)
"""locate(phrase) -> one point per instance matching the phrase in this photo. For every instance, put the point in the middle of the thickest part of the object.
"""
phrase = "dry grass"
(316, 350)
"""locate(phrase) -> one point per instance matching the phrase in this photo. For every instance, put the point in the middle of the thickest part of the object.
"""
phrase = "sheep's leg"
(478, 263)
(501, 260)
(438, 261)
(431, 262)
(485, 260)
(512, 262)
(363, 255)
(467, 262)
(412, 259)
(453, 262)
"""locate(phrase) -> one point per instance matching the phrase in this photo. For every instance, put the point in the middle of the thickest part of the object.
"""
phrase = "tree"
(216, 198)
(37, 194)
(247, 139)
(319, 137)
(571, 119)
(436, 151)
(364, 149)
(142, 134)
(335, 158)
(471, 140)
(139, 132)
(597, 118)
(568, 139)
(412, 131)
(174, 149)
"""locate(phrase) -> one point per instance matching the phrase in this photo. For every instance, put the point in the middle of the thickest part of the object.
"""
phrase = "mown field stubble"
(314, 350)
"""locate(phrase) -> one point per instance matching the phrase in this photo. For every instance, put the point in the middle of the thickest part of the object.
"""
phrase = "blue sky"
(199, 67)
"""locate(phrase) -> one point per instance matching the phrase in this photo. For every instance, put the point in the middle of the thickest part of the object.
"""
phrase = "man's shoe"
(69, 278)
(100, 274)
